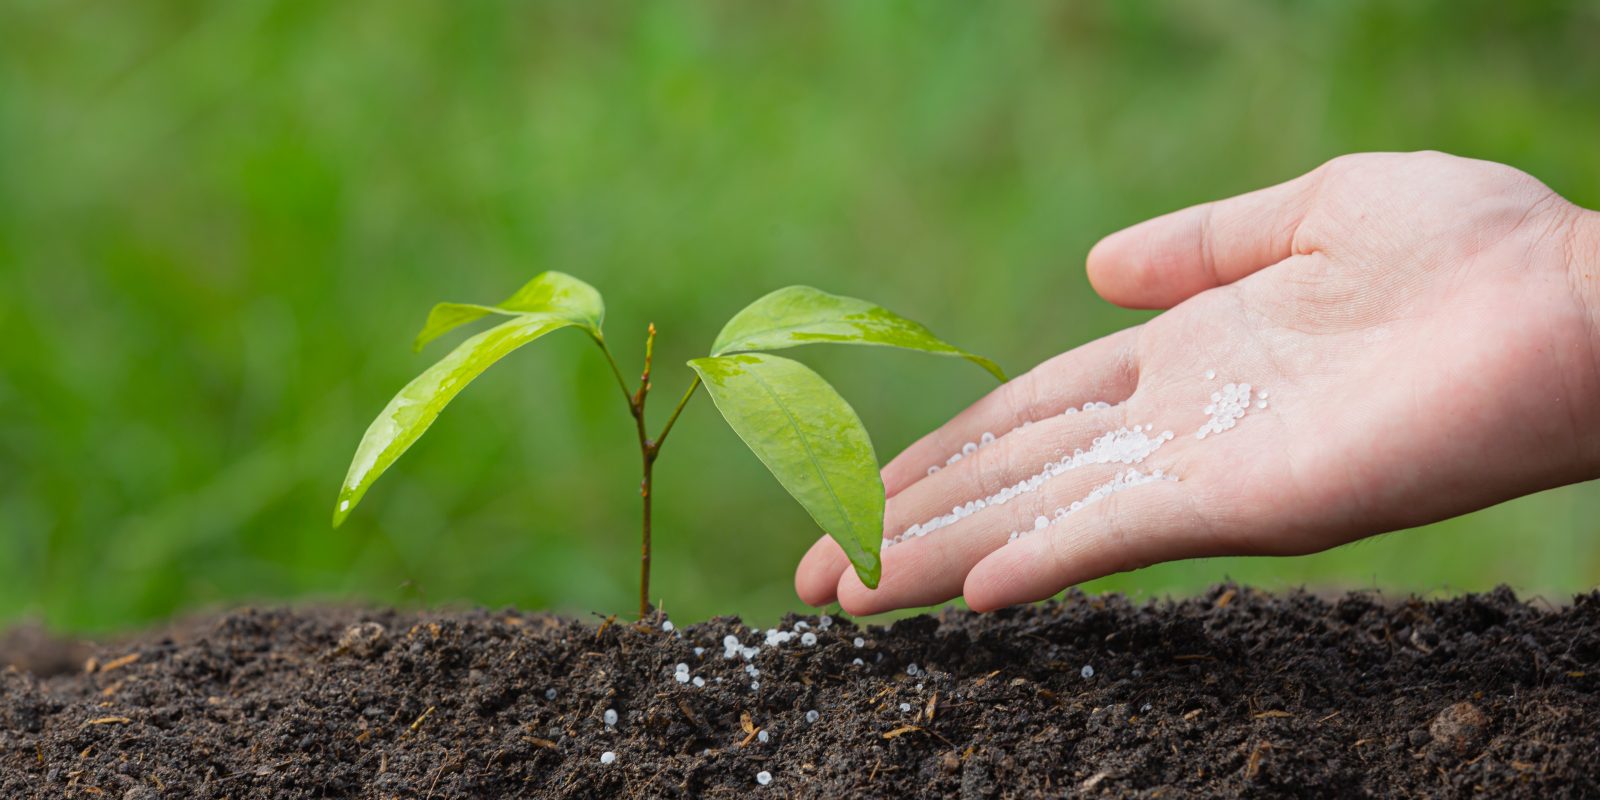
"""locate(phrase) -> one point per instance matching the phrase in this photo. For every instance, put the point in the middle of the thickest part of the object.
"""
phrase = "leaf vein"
(810, 454)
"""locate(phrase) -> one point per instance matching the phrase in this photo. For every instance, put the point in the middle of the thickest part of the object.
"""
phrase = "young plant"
(791, 418)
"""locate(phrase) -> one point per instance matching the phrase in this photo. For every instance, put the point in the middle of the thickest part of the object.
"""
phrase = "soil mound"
(1237, 693)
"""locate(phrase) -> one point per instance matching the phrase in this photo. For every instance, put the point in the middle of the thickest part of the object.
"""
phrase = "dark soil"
(1237, 693)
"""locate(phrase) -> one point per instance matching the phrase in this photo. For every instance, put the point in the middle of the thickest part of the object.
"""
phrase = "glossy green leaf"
(554, 293)
(799, 315)
(811, 440)
(411, 411)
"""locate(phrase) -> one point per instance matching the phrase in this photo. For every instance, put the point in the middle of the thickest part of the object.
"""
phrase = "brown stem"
(647, 454)
(649, 449)
(644, 549)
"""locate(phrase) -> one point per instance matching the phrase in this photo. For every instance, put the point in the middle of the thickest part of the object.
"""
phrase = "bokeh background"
(221, 224)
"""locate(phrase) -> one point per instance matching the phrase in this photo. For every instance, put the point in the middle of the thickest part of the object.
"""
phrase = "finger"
(931, 569)
(816, 580)
(1164, 261)
(1104, 370)
(1011, 459)
(1070, 439)
(1127, 530)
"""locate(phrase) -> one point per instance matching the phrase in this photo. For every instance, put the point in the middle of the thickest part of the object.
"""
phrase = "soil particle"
(362, 640)
(1460, 727)
(1236, 693)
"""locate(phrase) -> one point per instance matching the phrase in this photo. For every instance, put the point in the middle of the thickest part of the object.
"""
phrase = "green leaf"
(411, 411)
(799, 315)
(553, 293)
(811, 440)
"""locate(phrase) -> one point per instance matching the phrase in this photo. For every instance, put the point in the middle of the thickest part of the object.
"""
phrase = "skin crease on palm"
(1428, 330)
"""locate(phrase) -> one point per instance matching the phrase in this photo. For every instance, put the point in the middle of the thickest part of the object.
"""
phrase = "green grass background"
(221, 224)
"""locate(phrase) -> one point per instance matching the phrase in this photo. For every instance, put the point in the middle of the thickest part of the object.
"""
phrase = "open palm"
(1416, 344)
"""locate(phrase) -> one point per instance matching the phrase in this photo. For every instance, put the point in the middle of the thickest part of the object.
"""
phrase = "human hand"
(1419, 336)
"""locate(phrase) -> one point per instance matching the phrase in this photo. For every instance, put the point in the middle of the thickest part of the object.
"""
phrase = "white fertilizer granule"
(989, 438)
(1122, 446)
(1226, 409)
(1122, 482)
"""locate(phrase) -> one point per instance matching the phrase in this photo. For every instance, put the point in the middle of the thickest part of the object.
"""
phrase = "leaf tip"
(870, 575)
(868, 565)
(342, 508)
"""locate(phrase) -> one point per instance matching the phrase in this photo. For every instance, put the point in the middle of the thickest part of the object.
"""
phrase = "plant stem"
(649, 449)
(644, 547)
(647, 454)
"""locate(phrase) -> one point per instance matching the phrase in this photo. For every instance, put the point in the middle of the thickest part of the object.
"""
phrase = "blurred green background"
(221, 224)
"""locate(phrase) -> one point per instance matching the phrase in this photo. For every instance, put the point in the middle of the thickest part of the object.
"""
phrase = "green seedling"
(791, 418)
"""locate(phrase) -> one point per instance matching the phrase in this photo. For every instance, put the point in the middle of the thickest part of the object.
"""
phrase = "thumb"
(1164, 261)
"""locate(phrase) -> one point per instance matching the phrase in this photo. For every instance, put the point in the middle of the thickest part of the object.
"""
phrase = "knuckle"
(1021, 396)
(1206, 242)
(1119, 535)
(1339, 165)
(1064, 551)
(991, 465)
(1428, 156)
(1105, 537)
(1352, 168)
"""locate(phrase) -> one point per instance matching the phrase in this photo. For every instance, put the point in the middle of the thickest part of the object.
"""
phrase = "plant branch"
(637, 399)
(672, 420)
(615, 370)
(649, 354)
